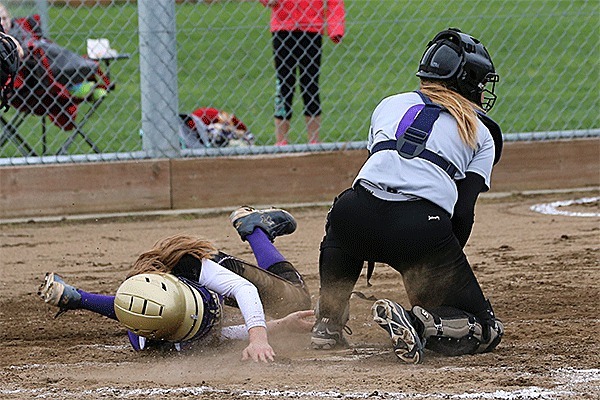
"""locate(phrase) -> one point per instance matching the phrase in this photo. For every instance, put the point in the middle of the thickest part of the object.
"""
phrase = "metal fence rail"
(176, 57)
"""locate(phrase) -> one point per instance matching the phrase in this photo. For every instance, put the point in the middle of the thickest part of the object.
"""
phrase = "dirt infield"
(541, 272)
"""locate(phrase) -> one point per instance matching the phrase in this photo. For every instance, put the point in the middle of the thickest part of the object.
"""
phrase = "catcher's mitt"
(10, 62)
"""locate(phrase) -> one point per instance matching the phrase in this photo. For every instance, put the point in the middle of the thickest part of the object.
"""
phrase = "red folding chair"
(42, 88)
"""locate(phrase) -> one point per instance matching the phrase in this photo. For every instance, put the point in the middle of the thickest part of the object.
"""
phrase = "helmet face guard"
(463, 63)
(489, 97)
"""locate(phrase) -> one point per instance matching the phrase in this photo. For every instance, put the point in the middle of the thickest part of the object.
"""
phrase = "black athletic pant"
(413, 237)
(294, 52)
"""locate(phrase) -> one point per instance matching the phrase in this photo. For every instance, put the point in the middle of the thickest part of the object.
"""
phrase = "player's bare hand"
(296, 322)
(259, 352)
(299, 321)
(259, 349)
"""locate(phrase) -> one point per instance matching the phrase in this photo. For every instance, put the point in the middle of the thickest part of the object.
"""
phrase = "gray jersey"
(390, 173)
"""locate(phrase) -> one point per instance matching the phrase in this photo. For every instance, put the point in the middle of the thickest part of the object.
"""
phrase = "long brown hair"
(458, 106)
(167, 252)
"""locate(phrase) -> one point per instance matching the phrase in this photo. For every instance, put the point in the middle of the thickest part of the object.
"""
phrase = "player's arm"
(296, 322)
(477, 180)
(464, 210)
(336, 20)
(229, 284)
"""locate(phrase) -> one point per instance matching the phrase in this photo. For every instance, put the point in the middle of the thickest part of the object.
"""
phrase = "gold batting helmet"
(159, 306)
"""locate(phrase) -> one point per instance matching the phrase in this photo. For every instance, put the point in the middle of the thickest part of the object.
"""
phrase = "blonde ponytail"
(458, 106)
(167, 252)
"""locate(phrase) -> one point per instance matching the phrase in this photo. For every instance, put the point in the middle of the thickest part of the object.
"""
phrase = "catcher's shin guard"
(281, 288)
(454, 332)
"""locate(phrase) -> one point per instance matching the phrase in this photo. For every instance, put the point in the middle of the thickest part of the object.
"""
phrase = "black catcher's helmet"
(463, 63)
(10, 63)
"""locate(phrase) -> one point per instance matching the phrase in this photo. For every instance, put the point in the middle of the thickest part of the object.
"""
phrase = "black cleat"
(273, 221)
(396, 321)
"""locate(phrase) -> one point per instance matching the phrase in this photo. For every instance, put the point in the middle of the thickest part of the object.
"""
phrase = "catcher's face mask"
(10, 62)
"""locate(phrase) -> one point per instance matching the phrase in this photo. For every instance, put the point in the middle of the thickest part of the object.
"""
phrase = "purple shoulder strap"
(408, 119)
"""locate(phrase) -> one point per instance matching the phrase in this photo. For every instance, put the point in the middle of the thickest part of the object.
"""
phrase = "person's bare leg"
(313, 125)
(282, 127)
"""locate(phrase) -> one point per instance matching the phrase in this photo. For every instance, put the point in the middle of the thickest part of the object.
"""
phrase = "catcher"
(174, 294)
(11, 54)
(412, 205)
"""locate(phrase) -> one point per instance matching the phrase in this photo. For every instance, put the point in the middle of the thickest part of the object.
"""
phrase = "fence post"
(158, 75)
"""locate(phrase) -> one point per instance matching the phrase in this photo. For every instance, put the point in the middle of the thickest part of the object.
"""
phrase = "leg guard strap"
(453, 332)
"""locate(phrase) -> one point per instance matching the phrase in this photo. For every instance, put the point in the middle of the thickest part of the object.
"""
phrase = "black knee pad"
(286, 270)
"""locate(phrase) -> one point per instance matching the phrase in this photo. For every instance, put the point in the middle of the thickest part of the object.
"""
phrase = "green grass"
(545, 51)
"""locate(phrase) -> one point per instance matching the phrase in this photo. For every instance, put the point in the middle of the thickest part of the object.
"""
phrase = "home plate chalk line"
(566, 380)
(554, 207)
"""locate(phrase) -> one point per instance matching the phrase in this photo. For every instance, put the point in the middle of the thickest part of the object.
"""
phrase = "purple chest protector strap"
(413, 132)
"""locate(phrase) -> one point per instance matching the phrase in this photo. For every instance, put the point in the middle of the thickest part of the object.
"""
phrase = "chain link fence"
(167, 59)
